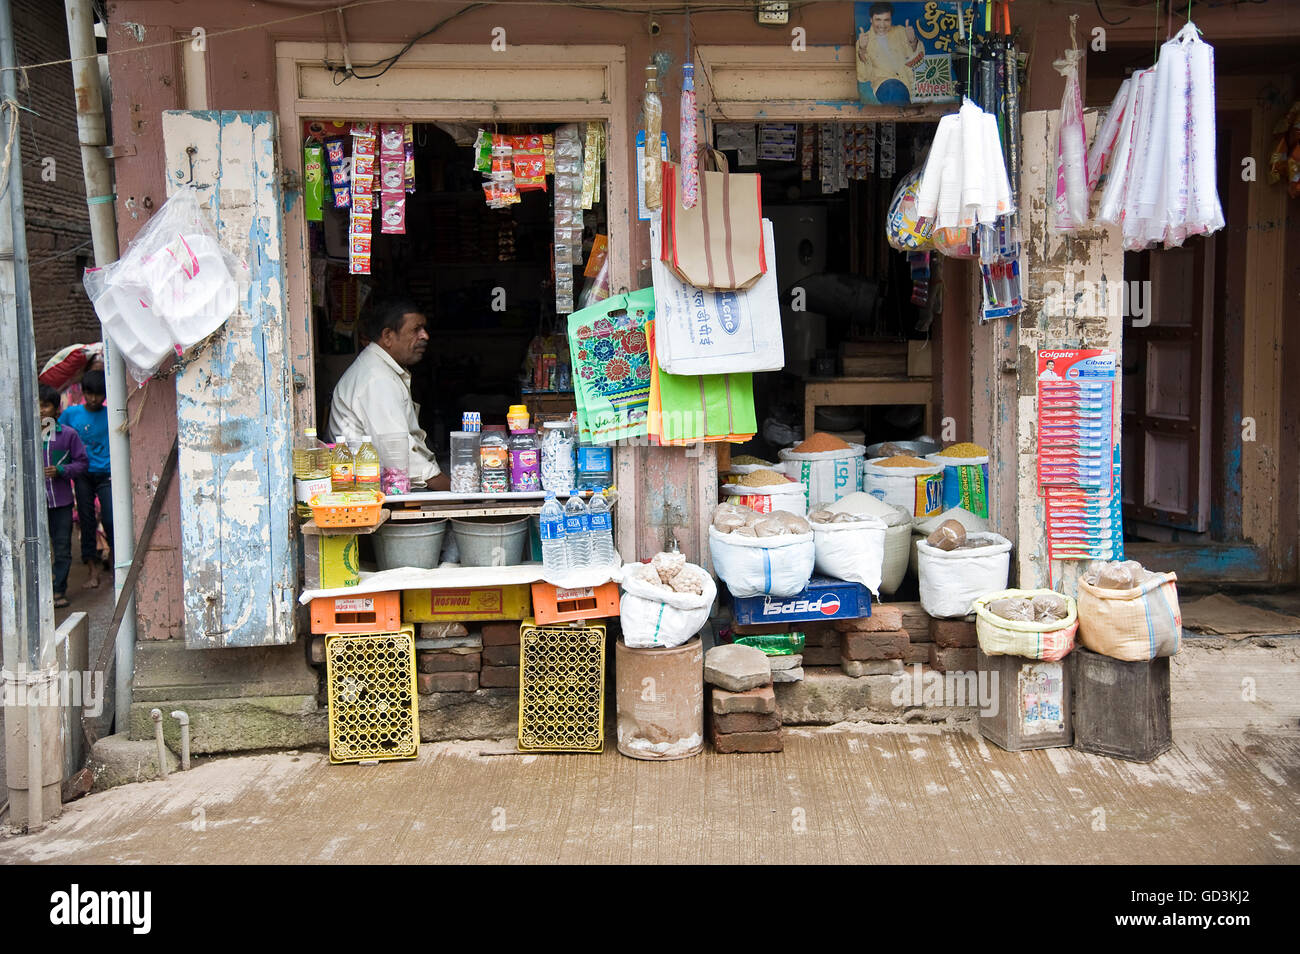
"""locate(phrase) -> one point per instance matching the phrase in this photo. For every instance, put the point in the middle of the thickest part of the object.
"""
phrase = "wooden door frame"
(400, 97)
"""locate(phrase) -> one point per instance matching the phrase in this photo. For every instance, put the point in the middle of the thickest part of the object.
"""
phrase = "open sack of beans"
(665, 602)
(759, 554)
(1129, 612)
(765, 491)
(952, 575)
(828, 467)
(1035, 624)
(849, 546)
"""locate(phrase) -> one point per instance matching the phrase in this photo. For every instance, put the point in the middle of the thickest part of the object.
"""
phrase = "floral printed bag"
(611, 366)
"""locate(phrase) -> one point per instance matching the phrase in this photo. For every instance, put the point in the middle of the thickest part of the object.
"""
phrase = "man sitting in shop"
(374, 395)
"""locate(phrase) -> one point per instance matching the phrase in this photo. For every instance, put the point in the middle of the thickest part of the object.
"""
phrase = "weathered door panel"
(1166, 400)
(233, 401)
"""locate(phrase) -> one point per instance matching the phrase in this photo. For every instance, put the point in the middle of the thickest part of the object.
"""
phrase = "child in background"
(65, 461)
(90, 421)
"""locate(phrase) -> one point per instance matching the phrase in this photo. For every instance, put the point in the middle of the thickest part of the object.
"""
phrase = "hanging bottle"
(652, 167)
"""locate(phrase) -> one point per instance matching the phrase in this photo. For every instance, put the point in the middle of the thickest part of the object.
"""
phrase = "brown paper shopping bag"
(718, 244)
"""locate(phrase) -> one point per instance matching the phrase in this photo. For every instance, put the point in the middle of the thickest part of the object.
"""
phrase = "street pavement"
(1228, 792)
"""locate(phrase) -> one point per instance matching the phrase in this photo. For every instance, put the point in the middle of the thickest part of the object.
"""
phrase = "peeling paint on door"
(233, 402)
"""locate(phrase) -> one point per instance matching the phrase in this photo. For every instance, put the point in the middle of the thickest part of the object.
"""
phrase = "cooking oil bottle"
(365, 466)
(310, 475)
(341, 466)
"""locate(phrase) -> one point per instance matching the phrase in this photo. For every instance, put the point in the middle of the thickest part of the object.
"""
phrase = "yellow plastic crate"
(462, 605)
(561, 688)
(373, 707)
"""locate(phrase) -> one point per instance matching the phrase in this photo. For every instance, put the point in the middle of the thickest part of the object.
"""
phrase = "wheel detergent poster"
(905, 51)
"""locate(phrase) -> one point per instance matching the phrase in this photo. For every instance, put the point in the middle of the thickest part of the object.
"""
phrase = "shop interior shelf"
(423, 506)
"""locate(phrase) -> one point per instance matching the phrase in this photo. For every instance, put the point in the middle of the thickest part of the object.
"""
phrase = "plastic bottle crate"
(561, 688)
(364, 613)
(552, 604)
(374, 712)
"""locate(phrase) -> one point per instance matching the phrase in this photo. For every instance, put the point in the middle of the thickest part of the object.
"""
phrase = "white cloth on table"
(374, 397)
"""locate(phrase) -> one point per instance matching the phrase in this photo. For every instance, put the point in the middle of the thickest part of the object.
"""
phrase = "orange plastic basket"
(363, 613)
(554, 605)
(347, 508)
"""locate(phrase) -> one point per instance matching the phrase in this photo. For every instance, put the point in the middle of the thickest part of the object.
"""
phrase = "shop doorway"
(484, 277)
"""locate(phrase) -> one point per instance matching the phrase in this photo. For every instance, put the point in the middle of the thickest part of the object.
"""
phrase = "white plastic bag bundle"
(950, 581)
(762, 566)
(1071, 204)
(656, 617)
(851, 551)
(174, 286)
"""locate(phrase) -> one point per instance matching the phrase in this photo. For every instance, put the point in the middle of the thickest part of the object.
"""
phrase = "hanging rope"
(8, 109)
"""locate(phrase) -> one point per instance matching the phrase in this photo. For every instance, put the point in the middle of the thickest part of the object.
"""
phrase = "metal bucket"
(409, 544)
(491, 541)
(660, 697)
(917, 448)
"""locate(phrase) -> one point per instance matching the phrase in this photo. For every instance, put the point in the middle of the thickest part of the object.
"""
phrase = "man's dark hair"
(389, 313)
(51, 395)
(880, 8)
(92, 382)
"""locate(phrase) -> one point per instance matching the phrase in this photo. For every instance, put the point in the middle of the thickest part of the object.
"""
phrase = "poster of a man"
(904, 51)
(887, 54)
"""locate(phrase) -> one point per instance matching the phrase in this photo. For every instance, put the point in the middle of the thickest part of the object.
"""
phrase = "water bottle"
(577, 543)
(602, 531)
(554, 559)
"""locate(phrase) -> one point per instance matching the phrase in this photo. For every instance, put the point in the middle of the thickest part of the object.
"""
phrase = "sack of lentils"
(827, 467)
(965, 477)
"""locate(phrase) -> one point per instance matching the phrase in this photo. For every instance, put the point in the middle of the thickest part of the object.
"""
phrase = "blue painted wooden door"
(234, 401)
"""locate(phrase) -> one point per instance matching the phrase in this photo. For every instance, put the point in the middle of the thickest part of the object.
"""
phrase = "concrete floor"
(1228, 792)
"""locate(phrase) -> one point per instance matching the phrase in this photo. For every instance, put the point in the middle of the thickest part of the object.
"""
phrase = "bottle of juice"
(341, 466)
(365, 466)
(309, 478)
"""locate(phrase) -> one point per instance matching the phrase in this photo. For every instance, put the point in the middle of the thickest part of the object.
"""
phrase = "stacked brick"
(447, 658)
(500, 656)
(743, 712)
(874, 645)
(953, 645)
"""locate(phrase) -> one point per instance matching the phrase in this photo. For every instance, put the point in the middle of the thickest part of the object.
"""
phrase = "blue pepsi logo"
(830, 604)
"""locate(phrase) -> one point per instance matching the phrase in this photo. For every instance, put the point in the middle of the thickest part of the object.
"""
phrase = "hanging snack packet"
(313, 179)
(338, 174)
(483, 153)
(391, 141)
(408, 147)
(392, 216)
(392, 175)
(590, 165)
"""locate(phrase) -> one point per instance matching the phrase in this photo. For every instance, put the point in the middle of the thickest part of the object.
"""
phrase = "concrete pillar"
(24, 690)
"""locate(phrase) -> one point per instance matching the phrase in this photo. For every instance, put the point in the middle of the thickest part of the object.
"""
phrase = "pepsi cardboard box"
(823, 599)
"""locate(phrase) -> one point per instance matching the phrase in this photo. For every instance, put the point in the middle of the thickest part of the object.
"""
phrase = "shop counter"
(467, 577)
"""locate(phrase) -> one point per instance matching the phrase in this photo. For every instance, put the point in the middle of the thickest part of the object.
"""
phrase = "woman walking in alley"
(90, 421)
(65, 461)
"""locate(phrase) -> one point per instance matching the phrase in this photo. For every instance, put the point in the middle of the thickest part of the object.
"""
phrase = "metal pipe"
(183, 718)
(92, 133)
(34, 621)
(156, 715)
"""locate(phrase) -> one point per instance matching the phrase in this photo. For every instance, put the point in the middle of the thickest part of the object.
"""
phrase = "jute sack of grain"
(1048, 641)
(1134, 624)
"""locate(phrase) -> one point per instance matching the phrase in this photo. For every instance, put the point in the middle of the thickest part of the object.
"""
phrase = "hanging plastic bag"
(1071, 204)
(174, 286)
(904, 229)
(690, 176)
(1108, 135)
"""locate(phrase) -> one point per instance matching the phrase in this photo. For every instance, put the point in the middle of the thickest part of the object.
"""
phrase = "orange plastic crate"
(364, 613)
(554, 605)
(347, 509)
